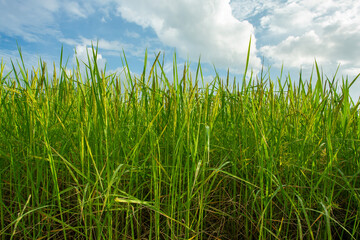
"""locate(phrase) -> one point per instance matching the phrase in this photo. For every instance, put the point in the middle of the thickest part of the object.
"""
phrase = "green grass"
(90, 155)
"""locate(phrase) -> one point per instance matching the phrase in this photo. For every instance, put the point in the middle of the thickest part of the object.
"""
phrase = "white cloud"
(297, 51)
(111, 47)
(28, 19)
(292, 18)
(131, 34)
(32, 19)
(115, 47)
(243, 9)
(194, 28)
(82, 52)
(83, 46)
(75, 10)
(304, 30)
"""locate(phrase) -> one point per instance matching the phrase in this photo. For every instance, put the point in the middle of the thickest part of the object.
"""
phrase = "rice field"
(91, 155)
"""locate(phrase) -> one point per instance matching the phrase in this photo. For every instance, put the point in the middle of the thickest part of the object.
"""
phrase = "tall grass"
(90, 155)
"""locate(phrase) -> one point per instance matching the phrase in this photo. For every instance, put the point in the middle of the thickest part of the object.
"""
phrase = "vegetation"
(90, 155)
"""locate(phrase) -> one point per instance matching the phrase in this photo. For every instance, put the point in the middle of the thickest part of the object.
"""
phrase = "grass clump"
(90, 155)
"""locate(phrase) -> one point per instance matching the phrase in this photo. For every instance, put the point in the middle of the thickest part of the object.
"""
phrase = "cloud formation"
(83, 48)
(244, 9)
(28, 19)
(33, 19)
(326, 30)
(78, 9)
(106, 47)
(194, 28)
(82, 52)
(296, 32)
(289, 32)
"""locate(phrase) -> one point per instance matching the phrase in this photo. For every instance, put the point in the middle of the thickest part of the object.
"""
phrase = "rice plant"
(91, 155)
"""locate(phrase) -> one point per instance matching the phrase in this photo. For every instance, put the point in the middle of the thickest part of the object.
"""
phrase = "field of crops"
(91, 155)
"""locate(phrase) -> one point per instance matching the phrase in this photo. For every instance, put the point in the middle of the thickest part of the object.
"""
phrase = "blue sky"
(290, 33)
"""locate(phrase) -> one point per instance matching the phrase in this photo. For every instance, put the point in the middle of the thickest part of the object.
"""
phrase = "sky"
(288, 34)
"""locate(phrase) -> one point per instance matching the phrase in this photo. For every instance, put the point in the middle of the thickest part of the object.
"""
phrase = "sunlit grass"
(90, 155)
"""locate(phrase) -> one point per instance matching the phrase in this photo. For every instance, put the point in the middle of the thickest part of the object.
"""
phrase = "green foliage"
(90, 155)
